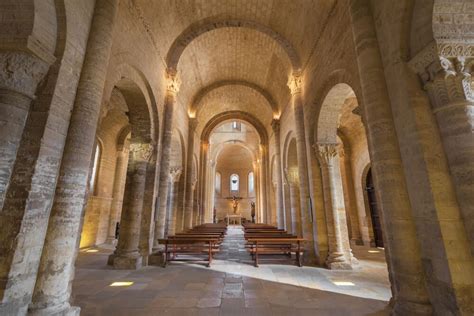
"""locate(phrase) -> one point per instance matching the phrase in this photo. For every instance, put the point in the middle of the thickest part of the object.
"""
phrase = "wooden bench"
(198, 245)
(276, 246)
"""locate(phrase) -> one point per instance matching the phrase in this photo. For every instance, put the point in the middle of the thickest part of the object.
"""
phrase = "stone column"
(127, 255)
(172, 89)
(117, 193)
(279, 189)
(174, 175)
(204, 152)
(56, 270)
(20, 73)
(405, 270)
(338, 238)
(295, 84)
(448, 83)
(20, 238)
(295, 209)
(351, 207)
(190, 174)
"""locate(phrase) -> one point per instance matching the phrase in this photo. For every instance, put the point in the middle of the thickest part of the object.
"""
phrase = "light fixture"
(121, 283)
(343, 283)
(374, 251)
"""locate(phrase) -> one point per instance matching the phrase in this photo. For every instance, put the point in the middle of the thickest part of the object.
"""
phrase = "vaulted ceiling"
(258, 43)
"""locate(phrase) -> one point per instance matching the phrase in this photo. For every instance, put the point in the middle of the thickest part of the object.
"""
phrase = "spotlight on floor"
(127, 283)
(343, 283)
(374, 251)
(92, 250)
(381, 248)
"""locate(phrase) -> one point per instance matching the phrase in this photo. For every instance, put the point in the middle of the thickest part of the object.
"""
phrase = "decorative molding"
(326, 153)
(295, 83)
(21, 72)
(276, 126)
(172, 81)
(175, 174)
(141, 152)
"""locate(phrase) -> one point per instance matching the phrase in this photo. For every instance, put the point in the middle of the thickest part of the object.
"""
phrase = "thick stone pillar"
(170, 100)
(174, 176)
(19, 77)
(117, 193)
(280, 212)
(295, 209)
(20, 74)
(295, 85)
(351, 206)
(448, 83)
(56, 270)
(127, 255)
(401, 245)
(338, 239)
(190, 176)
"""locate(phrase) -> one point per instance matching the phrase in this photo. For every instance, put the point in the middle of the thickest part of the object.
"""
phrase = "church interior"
(236, 157)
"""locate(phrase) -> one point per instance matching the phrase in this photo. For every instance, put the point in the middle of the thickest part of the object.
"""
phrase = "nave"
(231, 286)
(348, 124)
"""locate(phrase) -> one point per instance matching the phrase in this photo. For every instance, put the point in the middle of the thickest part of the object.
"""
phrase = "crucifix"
(235, 202)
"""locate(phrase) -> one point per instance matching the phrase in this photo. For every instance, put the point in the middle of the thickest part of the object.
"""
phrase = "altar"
(234, 219)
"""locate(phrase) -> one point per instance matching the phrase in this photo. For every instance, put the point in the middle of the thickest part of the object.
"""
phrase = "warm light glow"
(343, 283)
(122, 283)
(92, 250)
(192, 114)
(381, 248)
(374, 251)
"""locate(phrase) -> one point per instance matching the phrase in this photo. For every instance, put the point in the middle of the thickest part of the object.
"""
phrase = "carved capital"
(326, 153)
(295, 83)
(21, 72)
(174, 174)
(172, 82)
(141, 152)
(445, 69)
(192, 122)
(450, 82)
(276, 126)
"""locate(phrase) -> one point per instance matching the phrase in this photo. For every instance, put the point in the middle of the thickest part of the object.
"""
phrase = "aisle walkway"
(232, 286)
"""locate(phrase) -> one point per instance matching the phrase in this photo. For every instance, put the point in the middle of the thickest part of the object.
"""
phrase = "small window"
(95, 167)
(251, 184)
(218, 183)
(236, 126)
(234, 183)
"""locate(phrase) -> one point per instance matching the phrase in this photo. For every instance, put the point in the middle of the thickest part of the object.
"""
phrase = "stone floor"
(232, 286)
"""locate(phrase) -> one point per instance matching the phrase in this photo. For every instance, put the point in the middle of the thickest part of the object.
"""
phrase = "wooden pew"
(203, 246)
(276, 246)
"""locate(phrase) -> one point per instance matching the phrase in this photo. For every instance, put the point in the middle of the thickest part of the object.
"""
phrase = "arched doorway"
(374, 211)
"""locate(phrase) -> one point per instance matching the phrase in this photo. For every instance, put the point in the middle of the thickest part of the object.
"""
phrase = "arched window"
(251, 183)
(218, 183)
(95, 167)
(234, 183)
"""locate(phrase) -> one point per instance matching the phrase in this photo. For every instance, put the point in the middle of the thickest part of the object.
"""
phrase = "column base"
(403, 307)
(67, 310)
(126, 262)
(156, 258)
(337, 261)
(13, 308)
(357, 241)
(111, 241)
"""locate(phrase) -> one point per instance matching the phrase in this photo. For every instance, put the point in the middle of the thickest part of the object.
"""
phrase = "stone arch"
(339, 76)
(122, 136)
(328, 118)
(225, 116)
(203, 92)
(128, 78)
(212, 23)
(37, 29)
(289, 137)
